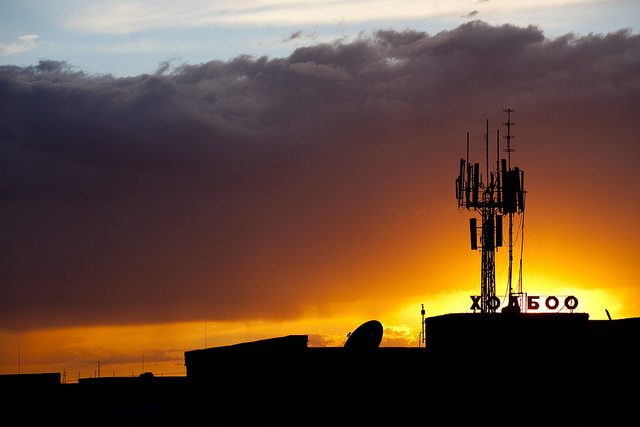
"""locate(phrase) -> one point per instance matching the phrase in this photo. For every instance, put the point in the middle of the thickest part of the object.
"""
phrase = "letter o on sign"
(552, 303)
(571, 302)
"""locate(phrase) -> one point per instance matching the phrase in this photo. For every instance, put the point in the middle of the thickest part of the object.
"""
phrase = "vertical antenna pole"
(486, 139)
(498, 178)
(509, 150)
(509, 137)
(422, 338)
(498, 148)
(467, 148)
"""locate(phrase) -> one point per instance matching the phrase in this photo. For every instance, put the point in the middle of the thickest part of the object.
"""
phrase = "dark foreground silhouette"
(497, 369)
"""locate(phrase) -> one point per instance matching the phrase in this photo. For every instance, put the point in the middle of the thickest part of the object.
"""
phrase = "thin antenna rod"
(498, 149)
(467, 147)
(422, 338)
(486, 139)
(509, 137)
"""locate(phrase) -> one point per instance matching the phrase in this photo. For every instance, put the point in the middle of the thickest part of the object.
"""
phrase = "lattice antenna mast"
(516, 180)
(508, 136)
(498, 193)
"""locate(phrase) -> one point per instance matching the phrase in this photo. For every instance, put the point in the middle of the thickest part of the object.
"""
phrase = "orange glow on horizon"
(128, 350)
(419, 254)
(392, 292)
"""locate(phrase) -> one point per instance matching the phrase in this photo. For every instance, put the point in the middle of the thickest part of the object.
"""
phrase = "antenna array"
(498, 193)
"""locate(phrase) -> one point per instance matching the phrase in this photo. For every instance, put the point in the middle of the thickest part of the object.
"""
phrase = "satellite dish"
(367, 336)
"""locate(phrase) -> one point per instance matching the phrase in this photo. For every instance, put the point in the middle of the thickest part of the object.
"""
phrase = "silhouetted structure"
(366, 337)
(510, 331)
(500, 192)
(535, 369)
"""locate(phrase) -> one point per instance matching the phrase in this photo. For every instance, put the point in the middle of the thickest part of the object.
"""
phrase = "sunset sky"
(182, 174)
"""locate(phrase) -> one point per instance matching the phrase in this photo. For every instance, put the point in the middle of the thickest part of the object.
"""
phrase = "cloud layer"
(263, 188)
(26, 44)
(124, 17)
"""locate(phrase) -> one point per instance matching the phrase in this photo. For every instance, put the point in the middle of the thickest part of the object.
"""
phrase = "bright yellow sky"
(127, 350)
(124, 350)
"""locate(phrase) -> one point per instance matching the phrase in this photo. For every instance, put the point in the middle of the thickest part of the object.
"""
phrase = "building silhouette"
(583, 373)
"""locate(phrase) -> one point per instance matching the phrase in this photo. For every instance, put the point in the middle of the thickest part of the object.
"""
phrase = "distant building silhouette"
(578, 374)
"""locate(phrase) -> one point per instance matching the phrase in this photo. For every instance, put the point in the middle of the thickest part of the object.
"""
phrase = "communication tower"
(498, 193)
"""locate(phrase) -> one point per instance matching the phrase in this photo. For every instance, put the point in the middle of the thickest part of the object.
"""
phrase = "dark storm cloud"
(249, 187)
